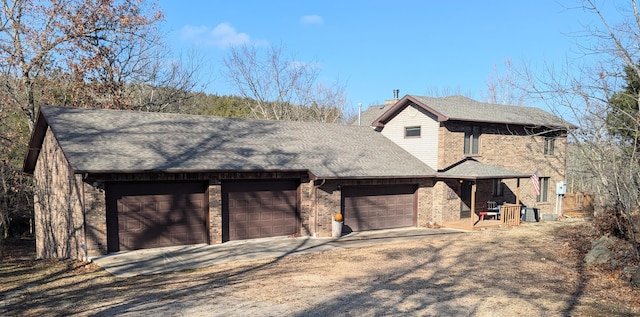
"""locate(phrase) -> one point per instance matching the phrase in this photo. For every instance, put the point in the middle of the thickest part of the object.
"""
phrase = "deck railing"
(510, 214)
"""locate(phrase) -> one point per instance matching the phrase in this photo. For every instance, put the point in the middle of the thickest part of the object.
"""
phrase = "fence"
(510, 214)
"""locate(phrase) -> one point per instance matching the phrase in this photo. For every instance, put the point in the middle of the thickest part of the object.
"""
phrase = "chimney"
(396, 96)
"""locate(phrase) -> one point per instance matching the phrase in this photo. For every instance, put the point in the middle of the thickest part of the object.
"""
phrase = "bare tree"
(164, 85)
(583, 91)
(86, 53)
(505, 88)
(281, 87)
(16, 203)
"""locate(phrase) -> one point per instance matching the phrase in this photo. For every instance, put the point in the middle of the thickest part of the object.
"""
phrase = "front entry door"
(465, 199)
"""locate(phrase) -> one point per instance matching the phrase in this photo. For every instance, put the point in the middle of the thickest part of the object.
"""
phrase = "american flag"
(535, 180)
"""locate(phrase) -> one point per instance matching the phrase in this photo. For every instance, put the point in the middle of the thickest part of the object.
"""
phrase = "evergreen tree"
(623, 119)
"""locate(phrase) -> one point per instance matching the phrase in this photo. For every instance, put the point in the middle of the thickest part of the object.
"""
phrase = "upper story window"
(549, 145)
(471, 140)
(412, 132)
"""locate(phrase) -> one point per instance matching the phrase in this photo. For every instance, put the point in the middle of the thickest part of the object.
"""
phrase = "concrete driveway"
(180, 258)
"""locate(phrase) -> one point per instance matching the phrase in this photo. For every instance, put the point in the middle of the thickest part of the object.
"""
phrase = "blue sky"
(374, 47)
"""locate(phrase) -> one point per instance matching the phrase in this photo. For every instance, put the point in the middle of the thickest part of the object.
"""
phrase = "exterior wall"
(514, 148)
(424, 147)
(215, 214)
(306, 205)
(328, 204)
(57, 205)
(427, 215)
(95, 219)
(447, 201)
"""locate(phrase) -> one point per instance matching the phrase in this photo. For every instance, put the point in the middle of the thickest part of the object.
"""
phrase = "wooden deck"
(510, 217)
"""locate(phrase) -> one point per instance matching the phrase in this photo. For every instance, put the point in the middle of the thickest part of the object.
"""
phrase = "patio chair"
(489, 209)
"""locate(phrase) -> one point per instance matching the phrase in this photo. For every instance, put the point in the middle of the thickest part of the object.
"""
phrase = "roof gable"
(461, 108)
(126, 141)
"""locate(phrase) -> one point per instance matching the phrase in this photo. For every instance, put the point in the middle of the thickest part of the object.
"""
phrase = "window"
(549, 145)
(471, 140)
(544, 190)
(497, 187)
(412, 132)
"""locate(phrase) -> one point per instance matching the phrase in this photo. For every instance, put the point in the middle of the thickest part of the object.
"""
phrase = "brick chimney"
(396, 96)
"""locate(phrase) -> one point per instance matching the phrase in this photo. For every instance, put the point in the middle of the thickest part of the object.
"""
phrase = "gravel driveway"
(532, 270)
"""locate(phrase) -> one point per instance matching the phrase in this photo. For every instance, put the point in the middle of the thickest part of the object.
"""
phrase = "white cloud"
(222, 36)
(311, 19)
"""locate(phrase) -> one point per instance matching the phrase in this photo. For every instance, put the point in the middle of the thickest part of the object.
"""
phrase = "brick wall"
(328, 204)
(215, 214)
(511, 147)
(57, 205)
(306, 205)
(95, 218)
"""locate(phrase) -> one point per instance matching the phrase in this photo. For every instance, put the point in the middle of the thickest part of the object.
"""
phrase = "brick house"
(481, 152)
(108, 181)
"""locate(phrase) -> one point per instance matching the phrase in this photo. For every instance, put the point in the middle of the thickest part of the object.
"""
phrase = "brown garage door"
(151, 215)
(379, 207)
(258, 209)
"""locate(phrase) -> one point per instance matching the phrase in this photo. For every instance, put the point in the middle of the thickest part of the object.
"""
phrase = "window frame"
(472, 140)
(412, 128)
(544, 190)
(497, 188)
(549, 146)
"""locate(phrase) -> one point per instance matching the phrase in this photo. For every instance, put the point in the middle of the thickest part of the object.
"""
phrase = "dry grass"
(532, 270)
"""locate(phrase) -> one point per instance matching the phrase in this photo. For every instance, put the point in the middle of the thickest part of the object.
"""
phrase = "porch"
(509, 216)
(485, 201)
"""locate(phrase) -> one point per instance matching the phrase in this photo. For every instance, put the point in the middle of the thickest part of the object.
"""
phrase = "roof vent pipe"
(359, 113)
(396, 93)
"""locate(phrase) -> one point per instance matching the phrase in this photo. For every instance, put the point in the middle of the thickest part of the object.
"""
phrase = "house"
(108, 180)
(482, 152)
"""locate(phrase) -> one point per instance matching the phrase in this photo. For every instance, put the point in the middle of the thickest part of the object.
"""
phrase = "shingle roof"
(110, 140)
(472, 169)
(465, 109)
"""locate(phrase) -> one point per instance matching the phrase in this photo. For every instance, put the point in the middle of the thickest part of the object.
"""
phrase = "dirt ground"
(532, 270)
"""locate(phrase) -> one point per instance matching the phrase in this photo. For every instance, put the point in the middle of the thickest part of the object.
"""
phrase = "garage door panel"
(260, 209)
(155, 215)
(378, 207)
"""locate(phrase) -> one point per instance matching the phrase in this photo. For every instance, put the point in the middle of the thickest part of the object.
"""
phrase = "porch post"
(518, 191)
(473, 203)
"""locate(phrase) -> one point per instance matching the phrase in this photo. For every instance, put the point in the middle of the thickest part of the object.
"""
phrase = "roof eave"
(186, 170)
(35, 143)
(333, 177)
(474, 177)
(556, 126)
(311, 175)
(401, 105)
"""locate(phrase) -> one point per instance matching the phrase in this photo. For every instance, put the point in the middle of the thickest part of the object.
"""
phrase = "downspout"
(473, 203)
(84, 221)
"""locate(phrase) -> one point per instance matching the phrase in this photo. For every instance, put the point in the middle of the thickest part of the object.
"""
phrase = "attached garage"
(259, 209)
(379, 207)
(139, 180)
(150, 215)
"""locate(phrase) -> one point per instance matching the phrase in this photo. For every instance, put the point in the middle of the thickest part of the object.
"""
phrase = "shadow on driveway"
(180, 258)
